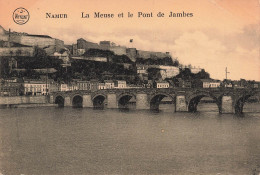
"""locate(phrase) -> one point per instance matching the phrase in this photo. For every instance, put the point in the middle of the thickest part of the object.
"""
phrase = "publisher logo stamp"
(21, 16)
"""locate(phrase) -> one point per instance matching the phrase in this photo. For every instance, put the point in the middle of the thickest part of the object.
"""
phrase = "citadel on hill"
(40, 64)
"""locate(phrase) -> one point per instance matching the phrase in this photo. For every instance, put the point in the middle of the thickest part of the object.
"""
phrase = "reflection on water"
(86, 141)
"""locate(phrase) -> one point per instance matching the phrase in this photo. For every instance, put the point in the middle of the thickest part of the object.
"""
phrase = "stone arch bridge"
(227, 100)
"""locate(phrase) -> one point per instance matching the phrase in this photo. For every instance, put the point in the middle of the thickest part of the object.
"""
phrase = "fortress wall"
(118, 50)
(32, 40)
(149, 54)
(25, 51)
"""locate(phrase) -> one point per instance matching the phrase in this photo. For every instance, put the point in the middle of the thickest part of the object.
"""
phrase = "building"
(209, 83)
(94, 85)
(162, 84)
(63, 87)
(27, 42)
(141, 69)
(83, 85)
(72, 86)
(98, 59)
(86, 45)
(120, 84)
(74, 49)
(104, 45)
(36, 87)
(11, 87)
(101, 86)
(227, 83)
(53, 86)
(109, 84)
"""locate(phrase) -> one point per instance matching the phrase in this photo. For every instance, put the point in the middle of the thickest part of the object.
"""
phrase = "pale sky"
(221, 33)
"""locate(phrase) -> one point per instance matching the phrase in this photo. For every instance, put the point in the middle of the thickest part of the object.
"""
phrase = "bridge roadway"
(228, 100)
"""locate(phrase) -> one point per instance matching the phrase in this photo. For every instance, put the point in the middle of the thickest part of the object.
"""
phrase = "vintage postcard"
(129, 87)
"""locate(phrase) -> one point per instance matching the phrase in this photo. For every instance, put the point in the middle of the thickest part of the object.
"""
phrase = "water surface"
(59, 141)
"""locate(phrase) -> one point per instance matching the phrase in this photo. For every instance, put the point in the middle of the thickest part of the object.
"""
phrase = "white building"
(162, 84)
(120, 84)
(36, 87)
(73, 86)
(64, 87)
(109, 84)
(141, 69)
(101, 86)
(208, 83)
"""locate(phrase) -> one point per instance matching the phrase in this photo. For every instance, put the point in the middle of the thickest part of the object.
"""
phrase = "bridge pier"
(67, 101)
(181, 105)
(87, 101)
(52, 100)
(227, 105)
(112, 101)
(142, 101)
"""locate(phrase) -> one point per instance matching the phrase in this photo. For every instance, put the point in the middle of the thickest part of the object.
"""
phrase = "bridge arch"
(124, 98)
(156, 98)
(241, 100)
(77, 101)
(195, 98)
(99, 101)
(60, 100)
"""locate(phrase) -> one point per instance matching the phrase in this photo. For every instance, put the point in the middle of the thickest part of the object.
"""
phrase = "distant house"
(101, 86)
(54, 86)
(36, 87)
(162, 84)
(11, 87)
(141, 69)
(73, 86)
(209, 83)
(63, 87)
(227, 83)
(120, 84)
(109, 84)
(94, 84)
(83, 85)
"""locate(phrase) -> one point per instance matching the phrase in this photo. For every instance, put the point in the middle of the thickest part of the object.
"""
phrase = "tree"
(154, 74)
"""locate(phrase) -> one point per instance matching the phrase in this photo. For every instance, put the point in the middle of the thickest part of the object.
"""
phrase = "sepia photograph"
(120, 87)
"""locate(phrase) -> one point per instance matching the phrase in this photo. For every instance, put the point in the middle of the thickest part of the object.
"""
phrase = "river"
(60, 141)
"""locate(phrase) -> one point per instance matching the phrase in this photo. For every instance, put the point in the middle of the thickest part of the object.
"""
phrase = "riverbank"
(24, 100)
(27, 105)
